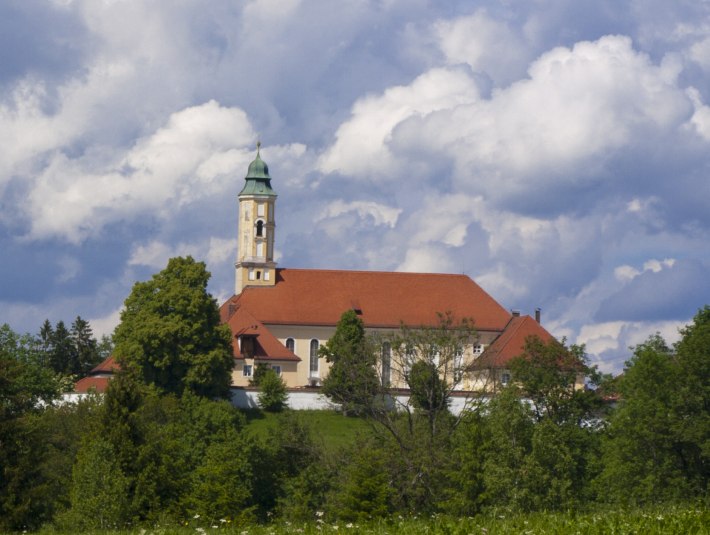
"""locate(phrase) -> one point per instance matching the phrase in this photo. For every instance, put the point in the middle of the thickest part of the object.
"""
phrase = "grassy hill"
(331, 428)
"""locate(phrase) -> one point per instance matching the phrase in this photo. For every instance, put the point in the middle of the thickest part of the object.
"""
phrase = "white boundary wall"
(312, 399)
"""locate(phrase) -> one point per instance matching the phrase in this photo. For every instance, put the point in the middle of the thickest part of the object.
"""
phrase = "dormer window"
(247, 344)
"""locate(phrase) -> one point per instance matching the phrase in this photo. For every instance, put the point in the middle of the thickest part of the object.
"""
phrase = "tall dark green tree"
(352, 380)
(63, 358)
(86, 351)
(170, 331)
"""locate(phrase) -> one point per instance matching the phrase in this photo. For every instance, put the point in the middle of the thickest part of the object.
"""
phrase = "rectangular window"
(247, 371)
(314, 358)
(505, 378)
(277, 369)
(266, 274)
(251, 274)
(260, 209)
(386, 363)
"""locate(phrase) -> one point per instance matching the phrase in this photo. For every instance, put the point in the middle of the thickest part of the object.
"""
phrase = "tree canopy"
(170, 331)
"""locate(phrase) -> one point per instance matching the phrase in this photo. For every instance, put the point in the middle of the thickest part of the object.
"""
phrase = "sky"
(557, 151)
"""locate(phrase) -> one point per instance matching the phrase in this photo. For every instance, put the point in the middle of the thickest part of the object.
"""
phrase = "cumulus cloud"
(75, 198)
(488, 45)
(360, 149)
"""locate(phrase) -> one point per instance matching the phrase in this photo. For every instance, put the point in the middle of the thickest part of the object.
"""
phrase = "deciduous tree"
(170, 331)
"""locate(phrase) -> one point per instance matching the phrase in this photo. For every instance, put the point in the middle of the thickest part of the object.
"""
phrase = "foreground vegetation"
(669, 520)
(161, 452)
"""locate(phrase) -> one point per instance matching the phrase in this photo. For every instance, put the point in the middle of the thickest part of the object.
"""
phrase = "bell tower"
(255, 264)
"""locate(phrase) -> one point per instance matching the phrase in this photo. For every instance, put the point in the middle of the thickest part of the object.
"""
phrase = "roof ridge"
(376, 272)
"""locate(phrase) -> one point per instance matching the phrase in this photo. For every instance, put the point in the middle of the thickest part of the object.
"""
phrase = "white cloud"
(156, 254)
(378, 213)
(361, 142)
(626, 273)
(106, 324)
(487, 45)
(75, 198)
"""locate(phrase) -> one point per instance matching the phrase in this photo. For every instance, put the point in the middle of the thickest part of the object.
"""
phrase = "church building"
(281, 316)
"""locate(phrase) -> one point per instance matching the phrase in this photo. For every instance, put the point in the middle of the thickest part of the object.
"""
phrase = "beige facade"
(312, 369)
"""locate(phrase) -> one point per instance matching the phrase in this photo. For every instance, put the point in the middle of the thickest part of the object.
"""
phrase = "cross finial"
(258, 145)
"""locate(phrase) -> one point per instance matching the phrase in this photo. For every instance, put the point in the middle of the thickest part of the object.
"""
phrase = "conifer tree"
(352, 379)
(86, 353)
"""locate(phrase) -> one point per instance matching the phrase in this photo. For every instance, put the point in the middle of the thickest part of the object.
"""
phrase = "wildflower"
(196, 516)
(350, 525)
(319, 514)
(222, 520)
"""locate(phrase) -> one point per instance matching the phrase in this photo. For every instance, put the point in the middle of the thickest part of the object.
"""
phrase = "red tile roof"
(107, 366)
(267, 346)
(386, 299)
(91, 383)
(511, 342)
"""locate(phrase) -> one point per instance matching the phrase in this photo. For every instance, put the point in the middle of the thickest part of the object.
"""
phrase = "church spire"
(255, 264)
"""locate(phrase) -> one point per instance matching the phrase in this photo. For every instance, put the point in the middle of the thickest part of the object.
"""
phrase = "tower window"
(260, 209)
(258, 275)
(259, 228)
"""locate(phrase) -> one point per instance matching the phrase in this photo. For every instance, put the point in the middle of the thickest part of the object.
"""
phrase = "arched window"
(291, 344)
(386, 363)
(259, 228)
(314, 357)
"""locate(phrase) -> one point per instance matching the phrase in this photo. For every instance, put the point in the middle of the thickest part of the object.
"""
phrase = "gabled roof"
(384, 299)
(511, 342)
(266, 347)
(109, 365)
